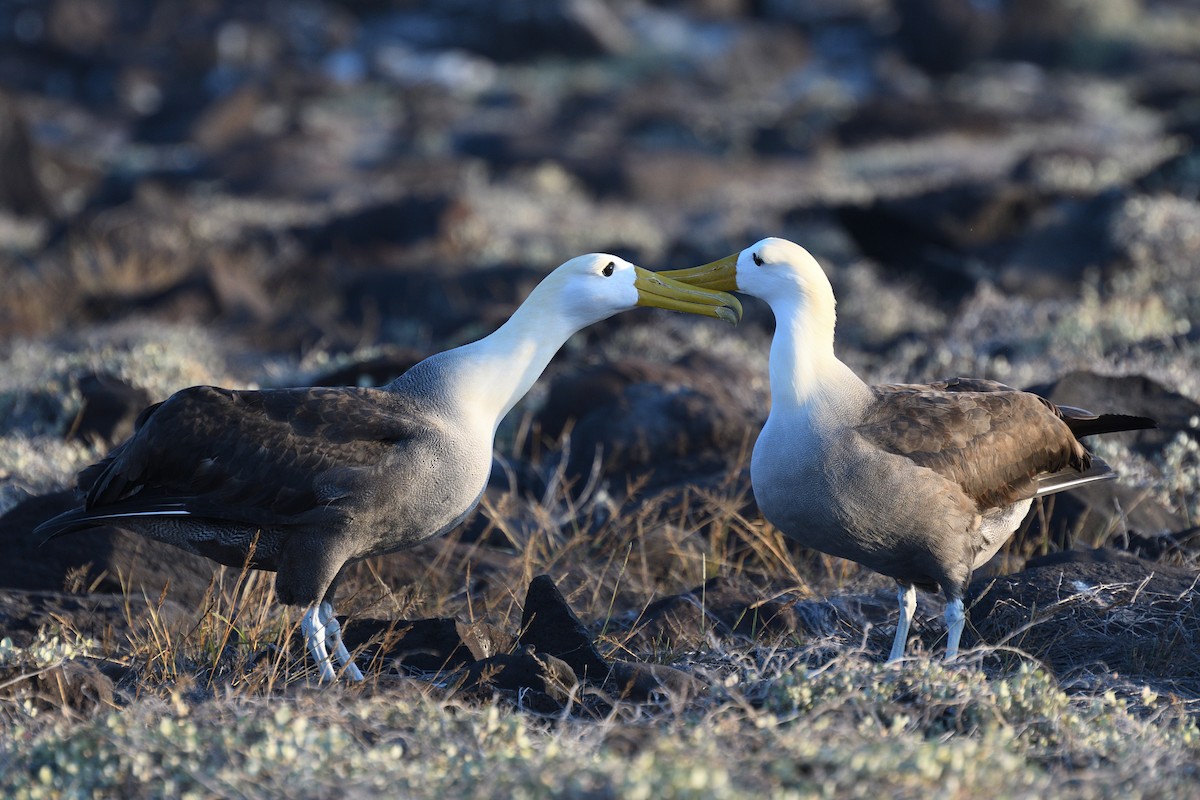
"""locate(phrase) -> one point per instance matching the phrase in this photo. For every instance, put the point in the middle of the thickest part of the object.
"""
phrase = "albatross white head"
(792, 283)
(780, 272)
(593, 287)
(486, 378)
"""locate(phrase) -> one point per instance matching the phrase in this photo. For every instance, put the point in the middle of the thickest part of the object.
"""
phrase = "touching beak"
(718, 276)
(656, 290)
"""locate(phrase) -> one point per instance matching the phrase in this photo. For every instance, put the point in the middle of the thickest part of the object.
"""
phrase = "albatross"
(304, 481)
(920, 482)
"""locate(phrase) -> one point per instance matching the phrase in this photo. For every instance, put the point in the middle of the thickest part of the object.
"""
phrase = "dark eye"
(608, 270)
(757, 259)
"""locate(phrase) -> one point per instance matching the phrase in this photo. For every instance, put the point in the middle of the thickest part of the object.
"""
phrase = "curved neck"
(480, 382)
(804, 370)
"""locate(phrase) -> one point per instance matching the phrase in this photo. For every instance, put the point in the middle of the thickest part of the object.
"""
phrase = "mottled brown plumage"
(992, 444)
(277, 461)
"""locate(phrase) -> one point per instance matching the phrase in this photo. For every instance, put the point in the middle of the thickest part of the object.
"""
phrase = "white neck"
(483, 380)
(805, 373)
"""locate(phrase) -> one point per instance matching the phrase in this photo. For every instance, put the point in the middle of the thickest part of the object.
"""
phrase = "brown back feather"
(261, 450)
(991, 440)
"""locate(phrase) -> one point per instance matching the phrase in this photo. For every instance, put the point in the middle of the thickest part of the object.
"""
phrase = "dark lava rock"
(429, 645)
(929, 235)
(1100, 609)
(397, 221)
(550, 626)
(21, 191)
(947, 238)
(553, 653)
(1098, 513)
(1054, 32)
(668, 422)
(376, 370)
(447, 305)
(110, 407)
(1061, 242)
(107, 560)
(1182, 546)
(886, 118)
(720, 606)
(1127, 394)
(943, 36)
(540, 682)
(103, 617)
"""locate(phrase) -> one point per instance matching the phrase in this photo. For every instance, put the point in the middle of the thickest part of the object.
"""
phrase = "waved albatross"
(921, 482)
(304, 481)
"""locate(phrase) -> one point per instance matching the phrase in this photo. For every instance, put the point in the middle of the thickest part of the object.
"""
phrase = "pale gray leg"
(333, 640)
(315, 637)
(907, 597)
(956, 620)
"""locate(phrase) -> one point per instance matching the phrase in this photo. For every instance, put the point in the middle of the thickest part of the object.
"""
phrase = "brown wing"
(248, 456)
(991, 440)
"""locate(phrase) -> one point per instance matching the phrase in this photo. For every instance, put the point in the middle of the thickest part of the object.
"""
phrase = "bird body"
(305, 481)
(920, 482)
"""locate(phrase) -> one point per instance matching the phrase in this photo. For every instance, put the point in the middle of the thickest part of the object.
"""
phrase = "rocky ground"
(284, 194)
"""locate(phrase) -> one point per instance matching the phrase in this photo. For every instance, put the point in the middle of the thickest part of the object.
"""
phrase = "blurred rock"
(102, 560)
(82, 27)
(931, 235)
(376, 370)
(1098, 513)
(1060, 243)
(1069, 32)
(669, 422)
(449, 306)
(398, 221)
(947, 35)
(881, 118)
(1128, 394)
(110, 407)
(1181, 547)
(21, 191)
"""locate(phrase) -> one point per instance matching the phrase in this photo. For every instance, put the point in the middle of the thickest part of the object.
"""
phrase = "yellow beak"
(720, 275)
(658, 291)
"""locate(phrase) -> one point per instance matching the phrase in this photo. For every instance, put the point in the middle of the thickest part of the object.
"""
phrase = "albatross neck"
(483, 380)
(805, 373)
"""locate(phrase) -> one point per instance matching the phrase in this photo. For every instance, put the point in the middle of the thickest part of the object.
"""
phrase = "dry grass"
(229, 705)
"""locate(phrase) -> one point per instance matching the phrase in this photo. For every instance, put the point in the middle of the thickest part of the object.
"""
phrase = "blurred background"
(301, 170)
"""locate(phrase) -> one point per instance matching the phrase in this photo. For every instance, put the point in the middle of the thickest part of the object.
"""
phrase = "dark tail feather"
(80, 519)
(1083, 424)
(72, 521)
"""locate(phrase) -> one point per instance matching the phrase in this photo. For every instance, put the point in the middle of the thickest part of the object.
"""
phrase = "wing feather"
(990, 439)
(252, 455)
